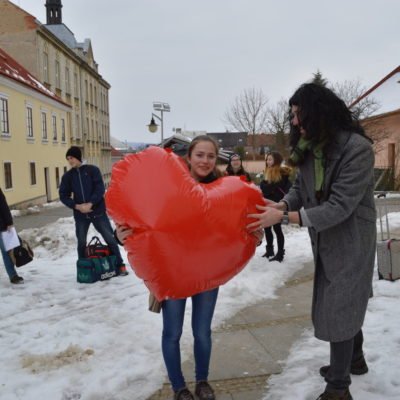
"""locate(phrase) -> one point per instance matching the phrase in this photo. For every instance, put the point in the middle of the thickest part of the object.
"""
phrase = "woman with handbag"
(274, 186)
(202, 157)
(6, 223)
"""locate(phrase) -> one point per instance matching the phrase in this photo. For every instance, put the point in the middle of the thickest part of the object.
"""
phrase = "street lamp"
(162, 107)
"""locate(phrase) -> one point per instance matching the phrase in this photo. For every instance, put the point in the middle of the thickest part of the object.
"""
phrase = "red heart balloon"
(188, 237)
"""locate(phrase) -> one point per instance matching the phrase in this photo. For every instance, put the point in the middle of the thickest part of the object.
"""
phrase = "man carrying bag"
(82, 190)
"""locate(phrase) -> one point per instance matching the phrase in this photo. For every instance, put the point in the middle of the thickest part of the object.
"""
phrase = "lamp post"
(162, 107)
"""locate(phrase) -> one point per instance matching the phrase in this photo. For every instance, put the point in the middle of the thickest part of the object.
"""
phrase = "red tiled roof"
(116, 153)
(13, 70)
(395, 71)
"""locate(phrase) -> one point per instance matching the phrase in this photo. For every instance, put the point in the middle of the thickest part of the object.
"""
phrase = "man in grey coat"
(333, 197)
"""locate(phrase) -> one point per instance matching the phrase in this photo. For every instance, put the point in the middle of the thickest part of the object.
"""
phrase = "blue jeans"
(173, 314)
(103, 226)
(7, 260)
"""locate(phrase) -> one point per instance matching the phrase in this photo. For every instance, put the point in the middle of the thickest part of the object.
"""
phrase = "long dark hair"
(322, 114)
(229, 168)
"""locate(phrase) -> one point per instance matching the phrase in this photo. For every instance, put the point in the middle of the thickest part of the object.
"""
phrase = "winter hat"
(74, 151)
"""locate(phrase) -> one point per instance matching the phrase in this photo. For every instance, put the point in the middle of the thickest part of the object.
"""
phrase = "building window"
(32, 169)
(63, 130)
(95, 96)
(67, 81)
(29, 122)
(65, 170)
(44, 125)
(54, 125)
(57, 71)
(5, 128)
(57, 177)
(7, 175)
(46, 67)
(76, 85)
(77, 126)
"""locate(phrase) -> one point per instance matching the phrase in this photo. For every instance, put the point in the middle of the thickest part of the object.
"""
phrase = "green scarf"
(298, 155)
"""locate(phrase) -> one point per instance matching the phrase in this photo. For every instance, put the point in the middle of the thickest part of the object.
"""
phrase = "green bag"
(90, 270)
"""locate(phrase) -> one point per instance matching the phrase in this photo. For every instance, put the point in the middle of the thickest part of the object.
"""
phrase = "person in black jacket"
(6, 223)
(274, 186)
(82, 190)
(235, 167)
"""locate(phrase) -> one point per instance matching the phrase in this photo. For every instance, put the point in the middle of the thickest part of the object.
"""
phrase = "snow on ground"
(36, 209)
(300, 378)
(61, 340)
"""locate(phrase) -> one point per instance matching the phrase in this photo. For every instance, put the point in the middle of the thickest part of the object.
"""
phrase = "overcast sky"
(199, 55)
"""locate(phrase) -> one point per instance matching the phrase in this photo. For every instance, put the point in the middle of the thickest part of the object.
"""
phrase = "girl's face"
(270, 160)
(202, 160)
(236, 163)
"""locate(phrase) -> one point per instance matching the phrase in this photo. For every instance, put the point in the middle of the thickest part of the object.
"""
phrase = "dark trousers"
(173, 311)
(279, 236)
(343, 354)
(103, 226)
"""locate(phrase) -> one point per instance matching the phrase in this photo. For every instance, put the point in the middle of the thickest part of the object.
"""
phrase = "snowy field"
(300, 378)
(61, 340)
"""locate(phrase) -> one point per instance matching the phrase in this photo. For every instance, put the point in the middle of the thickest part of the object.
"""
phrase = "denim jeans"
(10, 268)
(173, 314)
(103, 226)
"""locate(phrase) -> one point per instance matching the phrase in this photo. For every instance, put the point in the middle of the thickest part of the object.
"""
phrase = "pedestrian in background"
(235, 167)
(333, 196)
(82, 190)
(275, 185)
(6, 223)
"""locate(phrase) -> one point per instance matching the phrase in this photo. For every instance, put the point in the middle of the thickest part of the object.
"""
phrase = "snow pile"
(48, 362)
(35, 209)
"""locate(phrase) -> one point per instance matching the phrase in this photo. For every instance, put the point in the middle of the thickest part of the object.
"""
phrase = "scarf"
(298, 155)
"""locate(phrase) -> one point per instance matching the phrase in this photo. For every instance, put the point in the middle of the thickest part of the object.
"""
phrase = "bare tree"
(248, 113)
(350, 91)
(278, 123)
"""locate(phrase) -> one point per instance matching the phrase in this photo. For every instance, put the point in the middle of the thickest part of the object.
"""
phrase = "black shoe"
(17, 279)
(334, 396)
(183, 394)
(269, 252)
(279, 256)
(358, 367)
(204, 391)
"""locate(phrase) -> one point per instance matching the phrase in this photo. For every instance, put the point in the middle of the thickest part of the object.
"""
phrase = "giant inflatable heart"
(188, 237)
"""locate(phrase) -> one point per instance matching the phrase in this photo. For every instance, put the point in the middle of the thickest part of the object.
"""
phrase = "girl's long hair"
(229, 168)
(274, 174)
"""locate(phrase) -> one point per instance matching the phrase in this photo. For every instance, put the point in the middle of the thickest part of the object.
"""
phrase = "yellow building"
(67, 67)
(34, 136)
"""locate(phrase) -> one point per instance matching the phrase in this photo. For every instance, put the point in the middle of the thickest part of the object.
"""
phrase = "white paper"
(10, 239)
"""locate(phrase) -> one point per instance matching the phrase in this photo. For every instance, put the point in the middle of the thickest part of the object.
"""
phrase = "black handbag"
(21, 255)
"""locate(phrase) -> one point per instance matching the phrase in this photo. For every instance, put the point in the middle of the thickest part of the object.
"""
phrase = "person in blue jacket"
(82, 190)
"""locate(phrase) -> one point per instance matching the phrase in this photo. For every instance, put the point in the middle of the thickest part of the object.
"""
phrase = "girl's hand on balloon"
(259, 234)
(122, 232)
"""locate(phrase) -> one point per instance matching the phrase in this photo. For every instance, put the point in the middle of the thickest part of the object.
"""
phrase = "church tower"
(54, 16)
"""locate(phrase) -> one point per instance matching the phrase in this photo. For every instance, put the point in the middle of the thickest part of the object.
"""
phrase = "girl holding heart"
(201, 157)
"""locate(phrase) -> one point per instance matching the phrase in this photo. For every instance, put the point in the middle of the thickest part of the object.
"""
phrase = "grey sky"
(199, 55)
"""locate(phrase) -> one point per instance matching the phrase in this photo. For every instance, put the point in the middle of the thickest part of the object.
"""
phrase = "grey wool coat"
(342, 229)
